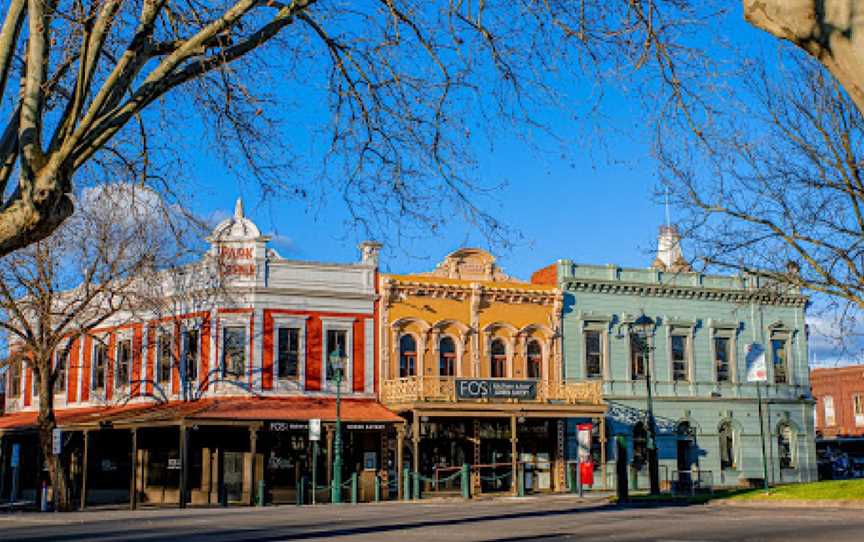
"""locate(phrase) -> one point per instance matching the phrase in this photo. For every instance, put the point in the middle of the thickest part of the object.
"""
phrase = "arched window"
(535, 359)
(446, 357)
(727, 446)
(498, 353)
(784, 447)
(640, 445)
(407, 356)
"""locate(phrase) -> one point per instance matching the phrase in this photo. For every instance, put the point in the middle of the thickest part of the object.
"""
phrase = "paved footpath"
(522, 520)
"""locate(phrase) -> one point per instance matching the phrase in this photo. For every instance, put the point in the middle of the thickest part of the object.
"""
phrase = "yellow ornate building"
(472, 358)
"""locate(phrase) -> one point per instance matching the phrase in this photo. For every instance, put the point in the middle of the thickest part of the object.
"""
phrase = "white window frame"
(785, 335)
(649, 367)
(296, 322)
(159, 331)
(124, 335)
(687, 334)
(234, 321)
(61, 347)
(728, 333)
(97, 342)
(186, 326)
(830, 421)
(603, 329)
(340, 324)
(858, 409)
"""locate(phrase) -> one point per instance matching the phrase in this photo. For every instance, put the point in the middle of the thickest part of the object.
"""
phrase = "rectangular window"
(100, 352)
(288, 353)
(191, 353)
(680, 359)
(337, 343)
(163, 372)
(828, 405)
(60, 362)
(14, 376)
(638, 360)
(721, 359)
(858, 409)
(779, 360)
(234, 352)
(593, 354)
(124, 362)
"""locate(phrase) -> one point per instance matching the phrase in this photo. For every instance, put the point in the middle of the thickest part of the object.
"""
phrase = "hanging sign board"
(315, 429)
(56, 441)
(472, 388)
(756, 370)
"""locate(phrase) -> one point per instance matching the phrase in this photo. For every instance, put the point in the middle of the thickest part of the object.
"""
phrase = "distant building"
(839, 395)
(706, 411)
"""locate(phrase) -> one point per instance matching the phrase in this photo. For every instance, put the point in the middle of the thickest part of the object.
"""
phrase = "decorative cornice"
(683, 292)
(463, 292)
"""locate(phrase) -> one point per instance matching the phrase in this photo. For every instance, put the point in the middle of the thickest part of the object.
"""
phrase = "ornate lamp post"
(337, 362)
(643, 327)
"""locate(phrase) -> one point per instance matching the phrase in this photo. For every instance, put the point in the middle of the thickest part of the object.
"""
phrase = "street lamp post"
(337, 362)
(643, 327)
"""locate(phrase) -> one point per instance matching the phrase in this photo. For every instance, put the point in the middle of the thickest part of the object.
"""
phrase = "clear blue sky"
(592, 203)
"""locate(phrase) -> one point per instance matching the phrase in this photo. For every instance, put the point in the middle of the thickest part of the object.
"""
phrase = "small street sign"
(57, 441)
(315, 429)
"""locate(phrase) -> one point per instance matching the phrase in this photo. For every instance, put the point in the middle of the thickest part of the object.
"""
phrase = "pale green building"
(706, 412)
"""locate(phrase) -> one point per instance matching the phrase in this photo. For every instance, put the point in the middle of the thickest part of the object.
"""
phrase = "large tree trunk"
(47, 423)
(830, 30)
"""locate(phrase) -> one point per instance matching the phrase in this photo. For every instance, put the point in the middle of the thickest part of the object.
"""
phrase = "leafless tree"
(776, 187)
(97, 269)
(832, 31)
(406, 86)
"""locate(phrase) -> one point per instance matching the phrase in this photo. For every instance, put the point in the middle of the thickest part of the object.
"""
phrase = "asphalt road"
(530, 519)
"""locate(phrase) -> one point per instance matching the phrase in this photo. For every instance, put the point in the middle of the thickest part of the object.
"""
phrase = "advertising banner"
(755, 360)
(586, 466)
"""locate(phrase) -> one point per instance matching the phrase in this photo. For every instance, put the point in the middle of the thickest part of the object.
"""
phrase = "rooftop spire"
(238, 208)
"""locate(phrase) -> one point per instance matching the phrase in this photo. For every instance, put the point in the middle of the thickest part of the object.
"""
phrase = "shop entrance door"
(232, 472)
(535, 454)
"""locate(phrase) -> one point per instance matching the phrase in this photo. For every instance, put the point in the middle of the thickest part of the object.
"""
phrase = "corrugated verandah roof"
(211, 409)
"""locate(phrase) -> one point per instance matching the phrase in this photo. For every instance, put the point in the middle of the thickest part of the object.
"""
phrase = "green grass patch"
(829, 490)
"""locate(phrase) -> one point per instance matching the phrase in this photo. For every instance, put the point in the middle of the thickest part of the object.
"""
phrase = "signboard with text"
(315, 429)
(57, 441)
(473, 388)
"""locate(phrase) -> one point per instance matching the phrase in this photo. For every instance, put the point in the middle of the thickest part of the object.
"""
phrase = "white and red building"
(201, 400)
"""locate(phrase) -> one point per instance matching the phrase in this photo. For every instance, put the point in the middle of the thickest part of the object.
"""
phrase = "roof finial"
(238, 208)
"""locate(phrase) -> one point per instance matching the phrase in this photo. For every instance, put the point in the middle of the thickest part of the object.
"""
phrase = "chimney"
(369, 251)
(669, 256)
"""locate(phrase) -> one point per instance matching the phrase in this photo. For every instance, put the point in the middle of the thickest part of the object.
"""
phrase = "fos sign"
(471, 388)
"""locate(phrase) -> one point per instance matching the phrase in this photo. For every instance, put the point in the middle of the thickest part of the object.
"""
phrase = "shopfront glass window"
(234, 351)
(446, 357)
(498, 354)
(535, 359)
(407, 356)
